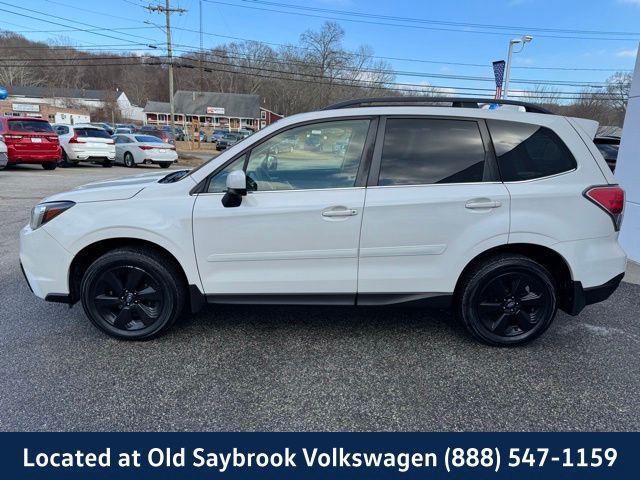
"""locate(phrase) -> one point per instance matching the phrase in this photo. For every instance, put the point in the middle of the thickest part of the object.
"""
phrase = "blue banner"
(319, 455)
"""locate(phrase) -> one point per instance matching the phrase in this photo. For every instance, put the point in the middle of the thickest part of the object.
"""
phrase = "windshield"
(148, 139)
(29, 126)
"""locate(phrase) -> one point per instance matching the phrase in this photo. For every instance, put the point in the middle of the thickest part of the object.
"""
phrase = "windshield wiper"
(173, 176)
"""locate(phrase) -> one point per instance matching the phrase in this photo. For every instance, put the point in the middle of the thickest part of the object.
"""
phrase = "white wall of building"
(128, 110)
(628, 169)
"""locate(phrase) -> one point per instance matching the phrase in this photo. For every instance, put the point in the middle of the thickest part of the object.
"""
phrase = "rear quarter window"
(525, 151)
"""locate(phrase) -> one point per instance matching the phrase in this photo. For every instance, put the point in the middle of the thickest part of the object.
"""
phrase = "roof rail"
(459, 102)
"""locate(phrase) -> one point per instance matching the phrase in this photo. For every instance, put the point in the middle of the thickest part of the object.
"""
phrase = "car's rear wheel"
(132, 294)
(49, 165)
(164, 164)
(128, 160)
(507, 300)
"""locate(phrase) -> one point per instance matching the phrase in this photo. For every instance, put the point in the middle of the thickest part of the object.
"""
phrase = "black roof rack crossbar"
(460, 102)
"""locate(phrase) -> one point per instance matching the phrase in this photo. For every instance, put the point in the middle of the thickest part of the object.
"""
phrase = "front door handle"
(482, 203)
(339, 212)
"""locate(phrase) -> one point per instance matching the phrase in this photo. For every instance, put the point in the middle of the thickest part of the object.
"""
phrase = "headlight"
(44, 212)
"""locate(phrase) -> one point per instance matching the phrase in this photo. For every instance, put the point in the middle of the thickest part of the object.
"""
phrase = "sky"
(431, 31)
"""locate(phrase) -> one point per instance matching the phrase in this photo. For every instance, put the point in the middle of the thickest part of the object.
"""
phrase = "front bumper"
(45, 263)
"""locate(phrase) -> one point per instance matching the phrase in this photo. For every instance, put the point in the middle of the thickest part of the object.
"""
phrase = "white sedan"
(134, 149)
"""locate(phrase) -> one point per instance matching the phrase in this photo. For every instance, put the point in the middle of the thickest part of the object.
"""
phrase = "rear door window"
(526, 151)
(425, 151)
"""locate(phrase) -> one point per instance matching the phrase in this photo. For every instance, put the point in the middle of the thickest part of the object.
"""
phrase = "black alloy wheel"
(132, 294)
(128, 298)
(507, 300)
(512, 303)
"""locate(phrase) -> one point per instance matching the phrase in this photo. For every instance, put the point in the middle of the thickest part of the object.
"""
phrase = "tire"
(64, 160)
(132, 294)
(50, 165)
(164, 164)
(129, 161)
(107, 164)
(507, 300)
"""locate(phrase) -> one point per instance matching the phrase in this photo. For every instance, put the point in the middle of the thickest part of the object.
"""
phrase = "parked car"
(504, 216)
(136, 149)
(227, 140)
(4, 159)
(217, 135)
(163, 135)
(123, 130)
(180, 135)
(608, 146)
(30, 140)
(105, 126)
(85, 143)
(245, 133)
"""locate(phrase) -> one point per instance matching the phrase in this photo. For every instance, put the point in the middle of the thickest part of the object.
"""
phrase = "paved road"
(302, 368)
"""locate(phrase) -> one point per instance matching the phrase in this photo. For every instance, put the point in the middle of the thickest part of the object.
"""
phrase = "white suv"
(84, 142)
(506, 216)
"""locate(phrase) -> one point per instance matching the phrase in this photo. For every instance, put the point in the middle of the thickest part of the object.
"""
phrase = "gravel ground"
(300, 368)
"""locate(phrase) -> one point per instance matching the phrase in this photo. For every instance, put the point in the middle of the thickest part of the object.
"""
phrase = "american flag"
(498, 72)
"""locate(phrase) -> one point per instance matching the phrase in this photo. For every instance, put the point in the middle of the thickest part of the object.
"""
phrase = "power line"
(360, 84)
(437, 22)
(94, 58)
(405, 25)
(60, 24)
(379, 57)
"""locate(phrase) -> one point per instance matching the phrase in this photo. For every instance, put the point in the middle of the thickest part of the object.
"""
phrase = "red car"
(30, 140)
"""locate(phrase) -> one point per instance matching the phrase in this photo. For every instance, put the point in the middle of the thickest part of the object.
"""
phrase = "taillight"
(74, 139)
(172, 148)
(145, 147)
(110, 142)
(609, 198)
(52, 138)
(12, 137)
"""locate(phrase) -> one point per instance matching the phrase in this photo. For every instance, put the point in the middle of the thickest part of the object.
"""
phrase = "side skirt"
(428, 300)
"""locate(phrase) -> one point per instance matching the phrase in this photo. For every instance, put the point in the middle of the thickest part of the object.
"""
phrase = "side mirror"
(236, 189)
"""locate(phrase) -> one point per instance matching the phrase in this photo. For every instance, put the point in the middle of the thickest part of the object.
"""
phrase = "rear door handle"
(480, 204)
(339, 212)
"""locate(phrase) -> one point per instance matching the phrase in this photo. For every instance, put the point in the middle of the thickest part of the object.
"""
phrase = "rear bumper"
(19, 156)
(3, 159)
(581, 297)
(91, 154)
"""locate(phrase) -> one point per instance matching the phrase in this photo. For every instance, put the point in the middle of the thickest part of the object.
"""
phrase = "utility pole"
(201, 52)
(167, 10)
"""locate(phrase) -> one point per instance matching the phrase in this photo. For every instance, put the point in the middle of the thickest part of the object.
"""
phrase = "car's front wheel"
(507, 300)
(132, 294)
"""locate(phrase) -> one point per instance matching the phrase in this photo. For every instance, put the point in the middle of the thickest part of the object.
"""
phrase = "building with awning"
(232, 111)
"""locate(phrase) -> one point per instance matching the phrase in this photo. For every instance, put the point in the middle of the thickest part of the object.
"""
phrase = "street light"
(523, 40)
